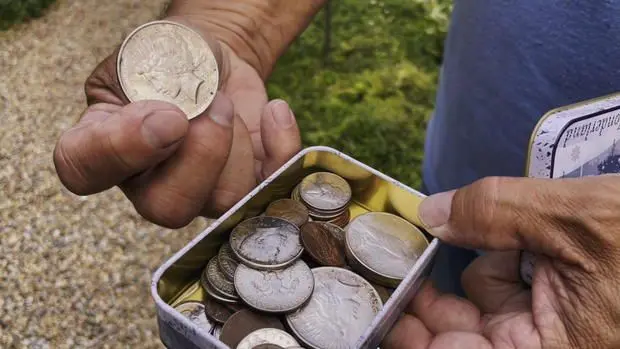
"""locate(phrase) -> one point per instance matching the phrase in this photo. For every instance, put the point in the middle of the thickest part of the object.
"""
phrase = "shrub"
(16, 11)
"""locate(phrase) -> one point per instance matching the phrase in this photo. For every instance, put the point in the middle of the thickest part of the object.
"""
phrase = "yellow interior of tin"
(180, 282)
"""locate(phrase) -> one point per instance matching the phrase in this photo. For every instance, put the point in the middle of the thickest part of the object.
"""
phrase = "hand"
(170, 168)
(574, 227)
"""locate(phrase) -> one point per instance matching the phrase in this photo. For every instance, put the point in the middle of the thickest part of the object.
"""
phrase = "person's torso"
(506, 63)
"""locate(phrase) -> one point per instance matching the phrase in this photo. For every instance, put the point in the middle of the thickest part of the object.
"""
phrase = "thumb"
(494, 213)
(280, 136)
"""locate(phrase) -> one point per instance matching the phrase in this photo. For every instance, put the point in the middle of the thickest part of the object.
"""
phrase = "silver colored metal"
(227, 261)
(340, 310)
(168, 61)
(385, 244)
(275, 291)
(267, 335)
(326, 192)
(195, 311)
(266, 243)
(218, 280)
(204, 283)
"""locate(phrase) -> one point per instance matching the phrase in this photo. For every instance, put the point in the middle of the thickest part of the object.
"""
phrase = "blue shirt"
(506, 63)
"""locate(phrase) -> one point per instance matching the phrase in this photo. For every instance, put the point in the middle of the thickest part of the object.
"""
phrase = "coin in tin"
(340, 310)
(270, 346)
(220, 312)
(244, 322)
(325, 191)
(206, 286)
(267, 336)
(168, 61)
(218, 280)
(227, 261)
(289, 209)
(266, 243)
(385, 245)
(275, 291)
(321, 243)
(195, 312)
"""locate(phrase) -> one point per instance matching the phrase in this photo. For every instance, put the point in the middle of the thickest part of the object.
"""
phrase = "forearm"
(258, 31)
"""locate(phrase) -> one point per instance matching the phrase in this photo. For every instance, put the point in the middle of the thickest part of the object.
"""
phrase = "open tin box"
(177, 280)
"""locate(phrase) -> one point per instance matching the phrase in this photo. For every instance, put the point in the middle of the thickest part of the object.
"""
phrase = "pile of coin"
(294, 277)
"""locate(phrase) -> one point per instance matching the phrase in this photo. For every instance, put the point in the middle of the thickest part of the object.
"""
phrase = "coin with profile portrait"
(168, 61)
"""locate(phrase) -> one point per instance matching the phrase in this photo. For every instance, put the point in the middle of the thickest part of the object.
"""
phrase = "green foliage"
(374, 98)
(16, 11)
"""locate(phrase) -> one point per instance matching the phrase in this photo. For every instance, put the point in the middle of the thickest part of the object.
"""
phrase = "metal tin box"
(177, 280)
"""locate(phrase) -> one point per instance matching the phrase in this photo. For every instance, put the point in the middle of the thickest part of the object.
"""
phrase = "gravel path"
(74, 271)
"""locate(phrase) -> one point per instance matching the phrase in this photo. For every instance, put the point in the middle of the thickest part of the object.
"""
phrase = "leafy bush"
(374, 98)
(15, 11)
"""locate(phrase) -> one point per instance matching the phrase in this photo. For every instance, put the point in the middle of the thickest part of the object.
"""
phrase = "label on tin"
(576, 141)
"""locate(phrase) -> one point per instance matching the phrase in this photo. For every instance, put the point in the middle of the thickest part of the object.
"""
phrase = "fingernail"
(164, 128)
(222, 112)
(282, 114)
(434, 211)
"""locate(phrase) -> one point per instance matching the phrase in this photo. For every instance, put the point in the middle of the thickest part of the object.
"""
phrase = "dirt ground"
(74, 271)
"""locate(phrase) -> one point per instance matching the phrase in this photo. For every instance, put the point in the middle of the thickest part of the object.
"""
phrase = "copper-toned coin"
(342, 220)
(289, 209)
(220, 312)
(322, 245)
(244, 322)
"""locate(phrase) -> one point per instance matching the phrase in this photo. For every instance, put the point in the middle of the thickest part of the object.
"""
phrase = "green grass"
(16, 11)
(373, 99)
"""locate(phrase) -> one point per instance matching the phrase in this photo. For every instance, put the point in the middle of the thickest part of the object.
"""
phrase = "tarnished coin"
(213, 293)
(291, 210)
(340, 310)
(244, 322)
(227, 261)
(218, 281)
(216, 332)
(325, 191)
(266, 243)
(267, 336)
(342, 220)
(168, 61)
(384, 292)
(320, 242)
(220, 312)
(385, 244)
(195, 312)
(269, 346)
(275, 291)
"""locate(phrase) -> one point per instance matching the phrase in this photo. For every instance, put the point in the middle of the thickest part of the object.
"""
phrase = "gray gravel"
(74, 271)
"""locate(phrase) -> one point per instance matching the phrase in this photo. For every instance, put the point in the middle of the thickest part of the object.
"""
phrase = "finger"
(112, 143)
(408, 333)
(280, 136)
(238, 177)
(431, 308)
(178, 189)
(542, 216)
(460, 340)
(103, 86)
(491, 279)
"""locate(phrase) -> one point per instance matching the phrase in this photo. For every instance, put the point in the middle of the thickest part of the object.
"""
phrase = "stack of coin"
(292, 266)
(327, 197)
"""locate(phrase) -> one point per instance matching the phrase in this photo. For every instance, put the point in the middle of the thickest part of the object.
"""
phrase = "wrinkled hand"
(574, 227)
(170, 168)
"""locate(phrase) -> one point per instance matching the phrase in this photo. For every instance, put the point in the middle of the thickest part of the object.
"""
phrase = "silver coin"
(325, 191)
(275, 291)
(214, 293)
(385, 243)
(266, 243)
(267, 336)
(340, 310)
(227, 262)
(168, 61)
(195, 312)
(218, 280)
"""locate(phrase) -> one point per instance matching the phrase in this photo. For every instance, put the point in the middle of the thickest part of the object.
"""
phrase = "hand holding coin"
(179, 122)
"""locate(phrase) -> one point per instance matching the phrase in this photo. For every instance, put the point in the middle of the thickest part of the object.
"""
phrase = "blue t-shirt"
(506, 63)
